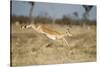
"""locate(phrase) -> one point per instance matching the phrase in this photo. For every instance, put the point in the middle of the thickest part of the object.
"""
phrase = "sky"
(54, 10)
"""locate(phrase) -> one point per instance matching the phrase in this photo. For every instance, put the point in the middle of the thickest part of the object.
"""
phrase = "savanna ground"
(29, 47)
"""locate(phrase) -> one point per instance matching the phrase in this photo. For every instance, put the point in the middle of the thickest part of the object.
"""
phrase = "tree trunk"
(30, 13)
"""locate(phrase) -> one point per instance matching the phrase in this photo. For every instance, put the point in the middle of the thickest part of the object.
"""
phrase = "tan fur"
(49, 31)
(51, 34)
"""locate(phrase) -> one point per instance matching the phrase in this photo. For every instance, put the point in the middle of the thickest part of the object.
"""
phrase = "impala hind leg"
(42, 47)
(49, 43)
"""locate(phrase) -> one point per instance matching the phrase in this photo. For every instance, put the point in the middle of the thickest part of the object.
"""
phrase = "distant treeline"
(44, 20)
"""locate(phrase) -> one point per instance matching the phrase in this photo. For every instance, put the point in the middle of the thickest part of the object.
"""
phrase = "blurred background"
(22, 11)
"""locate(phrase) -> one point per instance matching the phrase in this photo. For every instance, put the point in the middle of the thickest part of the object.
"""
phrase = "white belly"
(51, 37)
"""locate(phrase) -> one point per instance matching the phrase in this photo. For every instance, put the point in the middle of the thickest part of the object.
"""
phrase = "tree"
(87, 10)
(31, 9)
(66, 20)
(75, 14)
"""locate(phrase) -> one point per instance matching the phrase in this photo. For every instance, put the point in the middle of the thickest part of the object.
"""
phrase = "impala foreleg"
(66, 42)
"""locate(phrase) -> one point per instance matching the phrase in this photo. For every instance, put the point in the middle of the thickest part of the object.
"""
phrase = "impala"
(49, 32)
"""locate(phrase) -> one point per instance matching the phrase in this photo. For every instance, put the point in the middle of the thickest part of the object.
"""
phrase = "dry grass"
(30, 47)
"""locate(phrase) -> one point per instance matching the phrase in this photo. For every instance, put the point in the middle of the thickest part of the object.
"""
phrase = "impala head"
(68, 32)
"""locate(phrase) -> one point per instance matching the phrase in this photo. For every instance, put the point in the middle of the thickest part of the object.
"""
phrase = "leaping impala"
(50, 33)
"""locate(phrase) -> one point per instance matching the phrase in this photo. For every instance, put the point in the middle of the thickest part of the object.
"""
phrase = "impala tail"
(27, 26)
